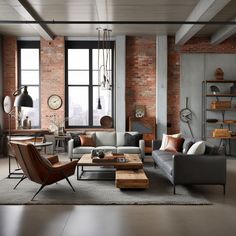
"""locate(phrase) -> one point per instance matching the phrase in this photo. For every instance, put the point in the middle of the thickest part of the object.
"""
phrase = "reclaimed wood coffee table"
(129, 174)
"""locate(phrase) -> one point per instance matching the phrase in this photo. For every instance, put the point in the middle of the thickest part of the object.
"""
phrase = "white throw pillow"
(197, 148)
(165, 140)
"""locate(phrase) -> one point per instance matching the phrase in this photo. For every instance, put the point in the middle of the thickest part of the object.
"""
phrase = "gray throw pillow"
(211, 149)
(132, 140)
(187, 146)
(75, 136)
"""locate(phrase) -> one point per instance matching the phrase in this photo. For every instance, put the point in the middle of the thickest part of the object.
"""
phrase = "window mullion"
(90, 88)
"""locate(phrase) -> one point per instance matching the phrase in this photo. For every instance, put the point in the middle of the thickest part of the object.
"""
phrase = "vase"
(27, 123)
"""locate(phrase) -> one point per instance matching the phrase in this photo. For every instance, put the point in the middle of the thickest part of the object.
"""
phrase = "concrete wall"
(194, 69)
(1, 98)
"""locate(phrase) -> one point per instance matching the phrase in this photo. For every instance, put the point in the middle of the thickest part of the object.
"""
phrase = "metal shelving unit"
(221, 123)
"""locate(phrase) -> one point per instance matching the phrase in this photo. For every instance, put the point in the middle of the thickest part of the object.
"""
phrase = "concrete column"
(120, 77)
(1, 97)
(161, 85)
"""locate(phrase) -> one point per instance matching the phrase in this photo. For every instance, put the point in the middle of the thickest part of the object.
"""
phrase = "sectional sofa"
(183, 169)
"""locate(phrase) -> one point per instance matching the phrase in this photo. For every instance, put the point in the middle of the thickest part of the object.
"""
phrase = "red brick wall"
(9, 72)
(52, 74)
(52, 77)
(141, 74)
(195, 45)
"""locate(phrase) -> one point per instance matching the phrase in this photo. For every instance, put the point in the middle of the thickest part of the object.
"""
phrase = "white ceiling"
(107, 10)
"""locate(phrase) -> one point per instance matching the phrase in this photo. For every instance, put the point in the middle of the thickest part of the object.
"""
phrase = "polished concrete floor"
(218, 219)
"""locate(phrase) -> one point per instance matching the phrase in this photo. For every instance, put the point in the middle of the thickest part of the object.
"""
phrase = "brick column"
(52, 76)
(141, 74)
(9, 72)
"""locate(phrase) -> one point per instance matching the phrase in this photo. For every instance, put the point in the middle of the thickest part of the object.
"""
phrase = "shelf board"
(220, 81)
(232, 137)
(226, 109)
(220, 123)
(221, 95)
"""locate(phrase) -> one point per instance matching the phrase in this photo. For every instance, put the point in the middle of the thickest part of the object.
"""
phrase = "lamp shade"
(24, 99)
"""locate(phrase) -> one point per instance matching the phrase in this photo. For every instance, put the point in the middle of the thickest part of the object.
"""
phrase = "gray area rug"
(102, 192)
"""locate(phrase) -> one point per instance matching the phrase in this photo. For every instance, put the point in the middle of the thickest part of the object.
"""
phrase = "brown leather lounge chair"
(44, 171)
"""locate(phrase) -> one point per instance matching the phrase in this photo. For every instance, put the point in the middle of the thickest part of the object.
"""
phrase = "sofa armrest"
(156, 144)
(199, 169)
(70, 148)
(142, 147)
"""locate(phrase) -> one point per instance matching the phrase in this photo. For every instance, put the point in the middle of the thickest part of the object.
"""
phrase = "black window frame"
(87, 45)
(21, 44)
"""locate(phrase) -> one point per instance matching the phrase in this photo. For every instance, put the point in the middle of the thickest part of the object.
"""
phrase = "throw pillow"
(187, 146)
(87, 140)
(197, 148)
(76, 138)
(174, 144)
(132, 140)
(164, 140)
(211, 149)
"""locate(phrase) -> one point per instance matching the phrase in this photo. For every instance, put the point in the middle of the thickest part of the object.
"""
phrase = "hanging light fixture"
(104, 66)
(99, 105)
(106, 82)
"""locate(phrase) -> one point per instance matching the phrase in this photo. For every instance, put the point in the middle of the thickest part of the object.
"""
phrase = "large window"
(83, 84)
(28, 58)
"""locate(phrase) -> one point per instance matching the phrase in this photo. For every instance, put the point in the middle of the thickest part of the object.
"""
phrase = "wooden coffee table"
(129, 174)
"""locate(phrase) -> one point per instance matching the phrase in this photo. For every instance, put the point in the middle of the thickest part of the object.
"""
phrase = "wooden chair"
(41, 170)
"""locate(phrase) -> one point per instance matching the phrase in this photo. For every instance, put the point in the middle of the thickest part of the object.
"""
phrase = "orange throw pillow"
(174, 144)
(87, 140)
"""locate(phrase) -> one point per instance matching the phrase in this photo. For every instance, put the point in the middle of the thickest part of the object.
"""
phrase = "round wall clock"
(7, 106)
(54, 102)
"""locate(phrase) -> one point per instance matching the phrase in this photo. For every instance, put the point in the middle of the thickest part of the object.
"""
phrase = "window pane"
(106, 103)
(30, 59)
(78, 106)
(29, 77)
(78, 59)
(78, 77)
(95, 77)
(32, 112)
(102, 59)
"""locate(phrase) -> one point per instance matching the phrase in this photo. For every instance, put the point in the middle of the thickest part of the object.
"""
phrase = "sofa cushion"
(128, 149)
(107, 148)
(87, 140)
(132, 139)
(164, 160)
(197, 148)
(82, 150)
(174, 144)
(120, 137)
(104, 138)
(165, 139)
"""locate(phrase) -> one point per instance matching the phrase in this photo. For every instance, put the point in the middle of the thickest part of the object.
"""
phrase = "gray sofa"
(109, 142)
(190, 169)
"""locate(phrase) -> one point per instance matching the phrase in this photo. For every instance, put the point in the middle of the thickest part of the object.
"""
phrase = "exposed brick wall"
(9, 72)
(52, 77)
(52, 74)
(141, 74)
(195, 45)
(173, 88)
